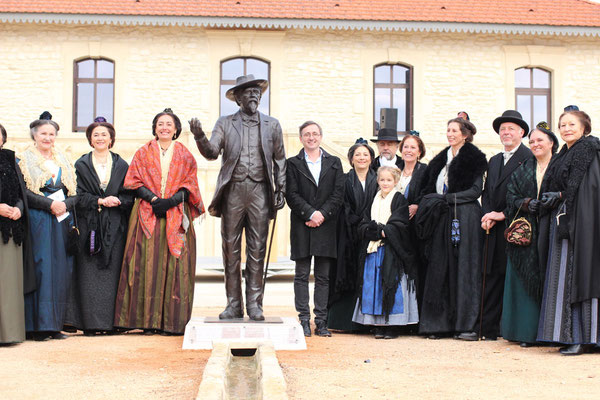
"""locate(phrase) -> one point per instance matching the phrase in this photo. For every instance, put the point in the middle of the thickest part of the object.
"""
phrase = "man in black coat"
(512, 128)
(315, 191)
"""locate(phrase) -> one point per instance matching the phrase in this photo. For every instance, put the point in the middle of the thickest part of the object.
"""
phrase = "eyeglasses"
(311, 134)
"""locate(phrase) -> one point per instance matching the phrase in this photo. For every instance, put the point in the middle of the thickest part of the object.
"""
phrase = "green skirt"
(12, 307)
(520, 313)
(156, 289)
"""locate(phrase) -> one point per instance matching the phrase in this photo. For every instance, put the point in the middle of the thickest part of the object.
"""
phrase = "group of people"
(102, 246)
(97, 245)
(467, 248)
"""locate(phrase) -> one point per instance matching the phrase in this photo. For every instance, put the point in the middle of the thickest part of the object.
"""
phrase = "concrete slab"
(285, 335)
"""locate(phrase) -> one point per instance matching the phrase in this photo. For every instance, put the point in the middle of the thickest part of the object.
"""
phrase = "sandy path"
(133, 366)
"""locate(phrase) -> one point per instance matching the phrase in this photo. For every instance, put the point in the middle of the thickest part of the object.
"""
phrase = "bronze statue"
(250, 189)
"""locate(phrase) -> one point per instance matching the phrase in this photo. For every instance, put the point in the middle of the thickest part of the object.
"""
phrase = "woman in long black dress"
(452, 286)
(103, 211)
(569, 239)
(359, 189)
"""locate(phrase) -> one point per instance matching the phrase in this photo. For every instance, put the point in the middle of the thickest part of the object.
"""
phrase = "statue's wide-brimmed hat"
(245, 81)
(511, 116)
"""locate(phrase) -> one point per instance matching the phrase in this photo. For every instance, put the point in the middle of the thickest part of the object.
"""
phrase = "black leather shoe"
(321, 329)
(490, 338)
(390, 333)
(379, 333)
(434, 336)
(58, 336)
(256, 314)
(40, 336)
(576, 349)
(89, 332)
(231, 313)
(306, 327)
(469, 336)
(526, 344)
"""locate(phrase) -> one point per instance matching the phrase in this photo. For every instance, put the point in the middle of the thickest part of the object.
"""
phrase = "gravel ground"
(345, 366)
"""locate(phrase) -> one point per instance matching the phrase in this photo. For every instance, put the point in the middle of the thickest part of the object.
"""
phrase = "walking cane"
(269, 255)
(485, 257)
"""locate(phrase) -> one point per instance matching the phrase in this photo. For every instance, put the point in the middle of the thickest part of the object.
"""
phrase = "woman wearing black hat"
(569, 239)
(51, 193)
(103, 211)
(448, 220)
(359, 190)
(156, 286)
(524, 273)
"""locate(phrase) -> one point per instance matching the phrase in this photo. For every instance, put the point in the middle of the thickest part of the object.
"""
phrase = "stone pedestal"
(283, 333)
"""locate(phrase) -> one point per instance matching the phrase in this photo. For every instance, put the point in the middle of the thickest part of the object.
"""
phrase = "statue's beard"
(251, 107)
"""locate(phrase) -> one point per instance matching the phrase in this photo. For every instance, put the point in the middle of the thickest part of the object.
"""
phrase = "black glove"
(279, 200)
(161, 206)
(380, 230)
(534, 206)
(145, 194)
(550, 199)
(373, 231)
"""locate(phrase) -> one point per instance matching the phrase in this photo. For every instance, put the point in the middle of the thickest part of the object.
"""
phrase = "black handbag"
(73, 236)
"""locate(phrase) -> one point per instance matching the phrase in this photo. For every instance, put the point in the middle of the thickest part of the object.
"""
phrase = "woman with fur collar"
(452, 287)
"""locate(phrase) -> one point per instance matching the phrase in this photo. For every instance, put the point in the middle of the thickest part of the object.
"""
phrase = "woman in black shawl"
(16, 273)
(452, 287)
(524, 273)
(359, 189)
(102, 211)
(569, 239)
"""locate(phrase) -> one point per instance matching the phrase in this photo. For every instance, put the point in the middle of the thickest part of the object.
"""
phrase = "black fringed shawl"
(10, 193)
(565, 173)
(356, 200)
(399, 258)
(111, 220)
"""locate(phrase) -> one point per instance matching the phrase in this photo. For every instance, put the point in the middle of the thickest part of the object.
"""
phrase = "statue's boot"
(254, 282)
(233, 310)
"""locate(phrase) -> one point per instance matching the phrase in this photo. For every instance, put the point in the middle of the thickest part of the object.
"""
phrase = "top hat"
(388, 129)
(511, 116)
(245, 81)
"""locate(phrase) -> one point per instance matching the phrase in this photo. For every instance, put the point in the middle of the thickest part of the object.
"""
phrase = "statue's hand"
(196, 128)
(279, 200)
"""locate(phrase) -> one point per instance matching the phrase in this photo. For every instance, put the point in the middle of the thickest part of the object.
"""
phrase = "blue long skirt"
(45, 308)
(369, 310)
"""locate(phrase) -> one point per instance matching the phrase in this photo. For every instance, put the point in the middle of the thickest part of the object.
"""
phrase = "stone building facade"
(323, 73)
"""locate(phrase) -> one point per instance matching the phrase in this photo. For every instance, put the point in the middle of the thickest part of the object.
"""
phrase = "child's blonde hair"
(392, 170)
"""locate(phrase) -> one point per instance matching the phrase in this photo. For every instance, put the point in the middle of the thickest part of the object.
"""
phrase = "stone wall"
(326, 76)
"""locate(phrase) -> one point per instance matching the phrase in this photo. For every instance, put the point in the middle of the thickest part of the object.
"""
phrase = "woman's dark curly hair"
(169, 112)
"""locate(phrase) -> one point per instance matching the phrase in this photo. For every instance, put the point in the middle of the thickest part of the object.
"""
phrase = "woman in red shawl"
(156, 287)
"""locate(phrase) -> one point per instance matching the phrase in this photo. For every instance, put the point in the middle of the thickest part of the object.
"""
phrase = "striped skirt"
(562, 321)
(156, 289)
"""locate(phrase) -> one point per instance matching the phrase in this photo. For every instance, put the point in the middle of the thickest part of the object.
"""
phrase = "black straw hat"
(511, 116)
